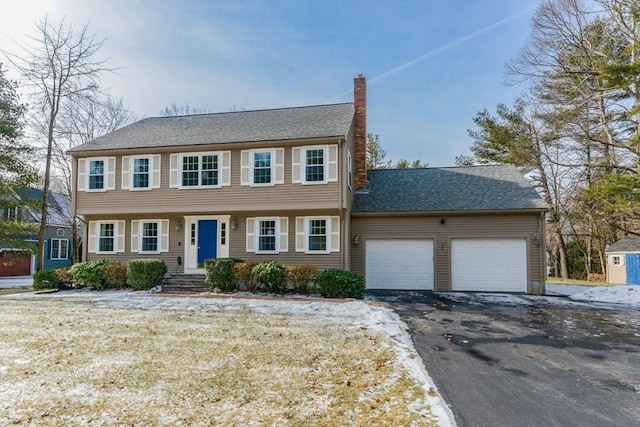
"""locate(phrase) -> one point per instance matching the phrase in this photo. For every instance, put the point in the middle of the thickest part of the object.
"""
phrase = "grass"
(10, 291)
(561, 281)
(72, 363)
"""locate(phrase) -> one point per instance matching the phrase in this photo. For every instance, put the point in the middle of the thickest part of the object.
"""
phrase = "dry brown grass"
(71, 363)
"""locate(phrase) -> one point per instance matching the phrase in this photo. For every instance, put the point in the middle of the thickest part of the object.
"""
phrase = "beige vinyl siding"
(176, 248)
(493, 225)
(232, 198)
(237, 241)
(617, 273)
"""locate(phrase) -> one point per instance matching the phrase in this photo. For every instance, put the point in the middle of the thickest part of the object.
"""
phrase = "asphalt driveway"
(542, 362)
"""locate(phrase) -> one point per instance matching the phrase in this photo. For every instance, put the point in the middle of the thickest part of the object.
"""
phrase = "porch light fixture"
(443, 221)
(233, 223)
(356, 240)
(536, 238)
(178, 224)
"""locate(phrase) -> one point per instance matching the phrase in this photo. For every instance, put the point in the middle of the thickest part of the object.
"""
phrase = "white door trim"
(191, 245)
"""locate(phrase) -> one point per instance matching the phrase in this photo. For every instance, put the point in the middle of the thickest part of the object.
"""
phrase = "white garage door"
(399, 264)
(489, 265)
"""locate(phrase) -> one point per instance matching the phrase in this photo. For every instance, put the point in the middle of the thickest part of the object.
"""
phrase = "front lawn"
(78, 362)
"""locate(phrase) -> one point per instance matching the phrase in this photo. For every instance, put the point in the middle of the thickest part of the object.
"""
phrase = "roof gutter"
(469, 212)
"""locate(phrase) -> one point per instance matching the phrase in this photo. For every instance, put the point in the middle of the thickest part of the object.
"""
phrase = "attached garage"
(470, 228)
(489, 265)
(403, 264)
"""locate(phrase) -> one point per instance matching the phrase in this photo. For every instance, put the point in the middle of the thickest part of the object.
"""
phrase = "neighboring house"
(57, 248)
(623, 261)
(291, 184)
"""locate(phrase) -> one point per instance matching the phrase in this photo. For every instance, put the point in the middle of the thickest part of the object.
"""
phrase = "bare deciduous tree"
(60, 66)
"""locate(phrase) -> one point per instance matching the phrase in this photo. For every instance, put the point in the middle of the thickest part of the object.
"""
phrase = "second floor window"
(200, 170)
(96, 174)
(11, 214)
(314, 165)
(141, 172)
(262, 167)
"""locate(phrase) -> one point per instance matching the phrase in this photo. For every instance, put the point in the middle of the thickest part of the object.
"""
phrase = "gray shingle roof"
(469, 188)
(626, 244)
(218, 128)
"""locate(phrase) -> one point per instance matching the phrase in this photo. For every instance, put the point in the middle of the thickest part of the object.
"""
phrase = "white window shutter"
(300, 233)
(279, 168)
(335, 234)
(135, 236)
(226, 168)
(82, 174)
(332, 164)
(251, 234)
(111, 173)
(296, 166)
(126, 165)
(120, 229)
(92, 237)
(173, 172)
(156, 161)
(284, 235)
(164, 235)
(245, 168)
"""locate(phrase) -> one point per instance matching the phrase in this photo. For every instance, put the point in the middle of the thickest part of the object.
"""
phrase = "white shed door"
(489, 265)
(399, 264)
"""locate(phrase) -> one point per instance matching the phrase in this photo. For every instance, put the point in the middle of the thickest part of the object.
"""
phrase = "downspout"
(543, 253)
(343, 225)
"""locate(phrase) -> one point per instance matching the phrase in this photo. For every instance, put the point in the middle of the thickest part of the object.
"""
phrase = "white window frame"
(200, 155)
(11, 214)
(104, 173)
(252, 168)
(620, 259)
(109, 174)
(333, 234)
(281, 231)
(59, 252)
(276, 220)
(330, 170)
(128, 172)
(99, 225)
(137, 236)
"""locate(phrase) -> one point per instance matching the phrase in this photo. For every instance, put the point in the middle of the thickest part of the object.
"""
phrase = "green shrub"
(64, 278)
(115, 274)
(271, 276)
(219, 274)
(89, 274)
(242, 273)
(336, 283)
(144, 274)
(301, 277)
(45, 279)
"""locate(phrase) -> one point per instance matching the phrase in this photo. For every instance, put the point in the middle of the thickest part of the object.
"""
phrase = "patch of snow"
(622, 294)
(359, 313)
(564, 290)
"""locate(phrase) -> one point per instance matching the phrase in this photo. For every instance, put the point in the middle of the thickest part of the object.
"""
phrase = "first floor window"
(149, 237)
(267, 235)
(59, 249)
(317, 235)
(11, 214)
(96, 174)
(106, 237)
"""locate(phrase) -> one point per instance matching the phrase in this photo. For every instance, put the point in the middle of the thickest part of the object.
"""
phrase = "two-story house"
(291, 184)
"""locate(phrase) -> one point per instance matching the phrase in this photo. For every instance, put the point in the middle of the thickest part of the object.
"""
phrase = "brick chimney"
(360, 139)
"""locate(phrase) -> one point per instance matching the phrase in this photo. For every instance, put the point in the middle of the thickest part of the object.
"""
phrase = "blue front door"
(632, 262)
(207, 240)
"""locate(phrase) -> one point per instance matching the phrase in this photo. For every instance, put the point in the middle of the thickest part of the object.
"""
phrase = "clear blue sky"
(431, 65)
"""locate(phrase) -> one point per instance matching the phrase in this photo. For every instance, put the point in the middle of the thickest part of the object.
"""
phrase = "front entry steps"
(185, 283)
